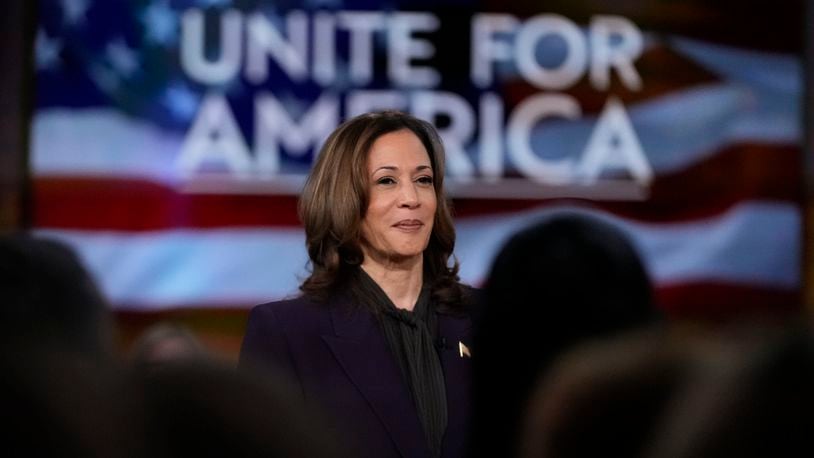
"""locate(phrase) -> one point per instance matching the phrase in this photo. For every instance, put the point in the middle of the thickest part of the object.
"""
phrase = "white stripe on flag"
(754, 243)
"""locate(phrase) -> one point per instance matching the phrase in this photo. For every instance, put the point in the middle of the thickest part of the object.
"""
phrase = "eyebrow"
(393, 167)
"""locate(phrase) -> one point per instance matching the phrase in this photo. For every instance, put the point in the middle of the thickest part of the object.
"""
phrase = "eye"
(386, 180)
(425, 180)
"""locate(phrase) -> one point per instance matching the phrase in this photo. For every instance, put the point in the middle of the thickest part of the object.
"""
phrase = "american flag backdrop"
(717, 119)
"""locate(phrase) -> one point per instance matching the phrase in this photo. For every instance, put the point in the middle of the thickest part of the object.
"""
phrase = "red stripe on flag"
(723, 302)
(137, 205)
(738, 173)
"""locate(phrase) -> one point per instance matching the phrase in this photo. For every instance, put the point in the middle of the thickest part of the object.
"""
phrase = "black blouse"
(410, 337)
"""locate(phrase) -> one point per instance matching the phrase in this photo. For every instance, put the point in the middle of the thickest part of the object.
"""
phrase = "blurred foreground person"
(759, 403)
(61, 403)
(49, 298)
(65, 396)
(561, 282)
(610, 397)
(197, 409)
(60, 390)
(380, 335)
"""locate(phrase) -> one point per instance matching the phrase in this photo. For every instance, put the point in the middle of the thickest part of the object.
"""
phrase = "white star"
(75, 11)
(161, 23)
(123, 59)
(105, 78)
(46, 51)
(181, 101)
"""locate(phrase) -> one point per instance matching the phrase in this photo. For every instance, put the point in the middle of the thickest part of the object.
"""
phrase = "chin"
(412, 249)
(409, 254)
(406, 252)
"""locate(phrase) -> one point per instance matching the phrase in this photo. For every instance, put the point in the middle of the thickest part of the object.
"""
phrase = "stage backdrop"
(170, 139)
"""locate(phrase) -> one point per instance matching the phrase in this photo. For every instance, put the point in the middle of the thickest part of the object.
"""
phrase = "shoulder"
(472, 302)
(461, 301)
(274, 329)
(286, 306)
(286, 313)
(470, 294)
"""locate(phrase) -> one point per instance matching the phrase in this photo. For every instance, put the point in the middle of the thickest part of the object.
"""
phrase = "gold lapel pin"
(463, 350)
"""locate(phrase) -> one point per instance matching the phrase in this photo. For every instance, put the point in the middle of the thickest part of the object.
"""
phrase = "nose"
(408, 196)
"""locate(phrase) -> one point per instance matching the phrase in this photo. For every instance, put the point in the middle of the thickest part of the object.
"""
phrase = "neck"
(400, 279)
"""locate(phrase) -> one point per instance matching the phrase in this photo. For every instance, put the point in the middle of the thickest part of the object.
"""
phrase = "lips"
(409, 225)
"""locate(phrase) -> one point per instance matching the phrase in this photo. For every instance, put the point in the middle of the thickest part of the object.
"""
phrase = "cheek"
(369, 226)
(373, 222)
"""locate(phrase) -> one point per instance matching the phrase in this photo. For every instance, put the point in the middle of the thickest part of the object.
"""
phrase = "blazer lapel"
(454, 331)
(361, 350)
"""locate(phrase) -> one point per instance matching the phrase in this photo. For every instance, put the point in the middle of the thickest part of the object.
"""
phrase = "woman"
(380, 334)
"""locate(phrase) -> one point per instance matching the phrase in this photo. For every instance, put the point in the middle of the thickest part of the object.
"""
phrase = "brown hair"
(335, 200)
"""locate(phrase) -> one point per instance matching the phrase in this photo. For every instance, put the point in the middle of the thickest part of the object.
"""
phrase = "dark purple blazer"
(338, 356)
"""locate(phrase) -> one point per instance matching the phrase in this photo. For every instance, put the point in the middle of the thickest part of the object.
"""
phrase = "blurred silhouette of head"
(49, 298)
(757, 403)
(61, 403)
(201, 409)
(608, 398)
(166, 343)
(565, 280)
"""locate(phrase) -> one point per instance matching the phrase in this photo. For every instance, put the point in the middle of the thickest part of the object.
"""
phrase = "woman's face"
(400, 215)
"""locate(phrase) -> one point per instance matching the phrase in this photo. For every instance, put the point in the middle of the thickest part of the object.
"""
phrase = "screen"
(171, 139)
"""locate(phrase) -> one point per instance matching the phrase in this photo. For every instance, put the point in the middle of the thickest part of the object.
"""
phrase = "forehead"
(401, 148)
